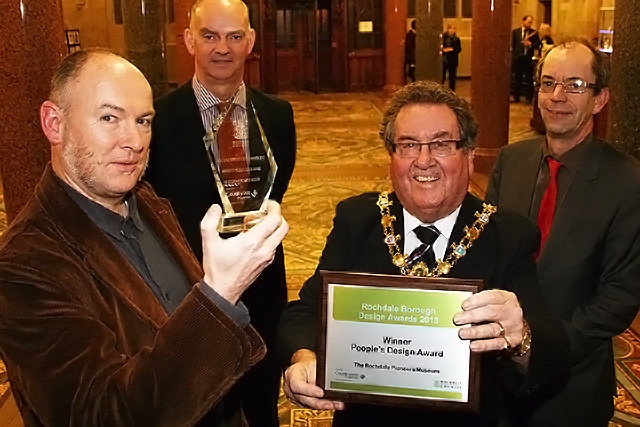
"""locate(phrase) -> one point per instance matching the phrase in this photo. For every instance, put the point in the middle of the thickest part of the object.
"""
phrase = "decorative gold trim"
(459, 250)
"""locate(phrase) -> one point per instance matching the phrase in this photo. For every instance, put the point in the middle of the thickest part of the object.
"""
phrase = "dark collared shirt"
(139, 244)
(571, 161)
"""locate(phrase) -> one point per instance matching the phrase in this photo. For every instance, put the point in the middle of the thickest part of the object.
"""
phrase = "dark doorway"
(303, 45)
(546, 13)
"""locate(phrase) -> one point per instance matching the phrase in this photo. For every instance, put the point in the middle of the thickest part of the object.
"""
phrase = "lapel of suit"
(190, 130)
(522, 184)
(191, 136)
(255, 141)
(100, 256)
(189, 118)
(577, 197)
(375, 245)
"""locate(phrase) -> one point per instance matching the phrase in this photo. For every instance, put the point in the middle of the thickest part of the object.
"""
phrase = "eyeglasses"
(547, 85)
(440, 148)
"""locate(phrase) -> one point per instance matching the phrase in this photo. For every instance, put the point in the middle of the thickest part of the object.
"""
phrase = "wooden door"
(366, 57)
(303, 45)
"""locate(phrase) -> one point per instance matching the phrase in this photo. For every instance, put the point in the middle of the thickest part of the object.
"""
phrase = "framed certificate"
(391, 340)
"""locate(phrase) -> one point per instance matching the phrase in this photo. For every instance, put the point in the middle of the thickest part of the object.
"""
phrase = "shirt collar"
(573, 158)
(444, 225)
(206, 100)
(107, 220)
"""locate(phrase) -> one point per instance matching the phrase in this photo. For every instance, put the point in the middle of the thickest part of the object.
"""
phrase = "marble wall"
(625, 90)
(144, 40)
(491, 64)
(31, 46)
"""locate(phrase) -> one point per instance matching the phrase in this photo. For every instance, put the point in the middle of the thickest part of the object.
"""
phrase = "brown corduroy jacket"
(85, 341)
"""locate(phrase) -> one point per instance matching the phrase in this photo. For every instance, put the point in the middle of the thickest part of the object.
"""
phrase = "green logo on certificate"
(400, 307)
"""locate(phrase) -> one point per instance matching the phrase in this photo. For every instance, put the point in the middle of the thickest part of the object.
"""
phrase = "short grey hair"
(426, 92)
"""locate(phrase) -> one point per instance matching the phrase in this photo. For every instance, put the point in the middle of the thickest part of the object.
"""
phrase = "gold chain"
(459, 249)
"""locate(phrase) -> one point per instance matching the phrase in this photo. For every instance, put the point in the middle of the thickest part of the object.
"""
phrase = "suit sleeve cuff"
(239, 313)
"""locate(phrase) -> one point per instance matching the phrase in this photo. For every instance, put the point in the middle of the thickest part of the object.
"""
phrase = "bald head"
(200, 5)
(69, 70)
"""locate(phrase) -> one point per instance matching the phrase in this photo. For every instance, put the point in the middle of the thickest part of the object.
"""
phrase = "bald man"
(106, 317)
(220, 38)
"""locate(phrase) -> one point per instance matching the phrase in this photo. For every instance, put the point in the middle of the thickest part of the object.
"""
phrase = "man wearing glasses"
(585, 197)
(430, 134)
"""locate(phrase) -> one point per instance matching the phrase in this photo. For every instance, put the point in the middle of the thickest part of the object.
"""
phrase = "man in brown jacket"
(106, 317)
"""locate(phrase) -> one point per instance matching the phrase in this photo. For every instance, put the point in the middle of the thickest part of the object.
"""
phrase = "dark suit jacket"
(86, 342)
(180, 171)
(410, 48)
(589, 268)
(502, 256)
(518, 49)
(451, 58)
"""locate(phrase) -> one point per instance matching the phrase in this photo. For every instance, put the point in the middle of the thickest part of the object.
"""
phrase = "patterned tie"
(424, 252)
(233, 161)
(548, 204)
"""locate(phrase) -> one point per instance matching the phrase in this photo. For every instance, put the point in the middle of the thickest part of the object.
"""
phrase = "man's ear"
(189, 41)
(252, 40)
(51, 118)
(601, 100)
(470, 155)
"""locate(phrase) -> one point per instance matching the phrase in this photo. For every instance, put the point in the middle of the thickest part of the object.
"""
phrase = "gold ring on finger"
(502, 331)
(507, 344)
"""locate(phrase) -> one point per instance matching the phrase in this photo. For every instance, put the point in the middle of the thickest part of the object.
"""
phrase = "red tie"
(548, 204)
(233, 161)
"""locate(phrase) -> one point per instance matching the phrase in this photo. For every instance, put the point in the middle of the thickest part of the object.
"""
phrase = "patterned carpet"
(627, 354)
(339, 155)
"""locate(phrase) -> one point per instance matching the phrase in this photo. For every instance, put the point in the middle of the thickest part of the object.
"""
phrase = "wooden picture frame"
(375, 347)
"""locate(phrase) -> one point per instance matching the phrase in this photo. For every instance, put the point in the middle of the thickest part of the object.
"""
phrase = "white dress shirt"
(444, 226)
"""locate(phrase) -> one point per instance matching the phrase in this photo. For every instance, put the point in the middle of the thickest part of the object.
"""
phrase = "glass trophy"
(244, 182)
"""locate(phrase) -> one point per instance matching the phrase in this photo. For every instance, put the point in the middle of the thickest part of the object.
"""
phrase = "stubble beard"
(79, 161)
